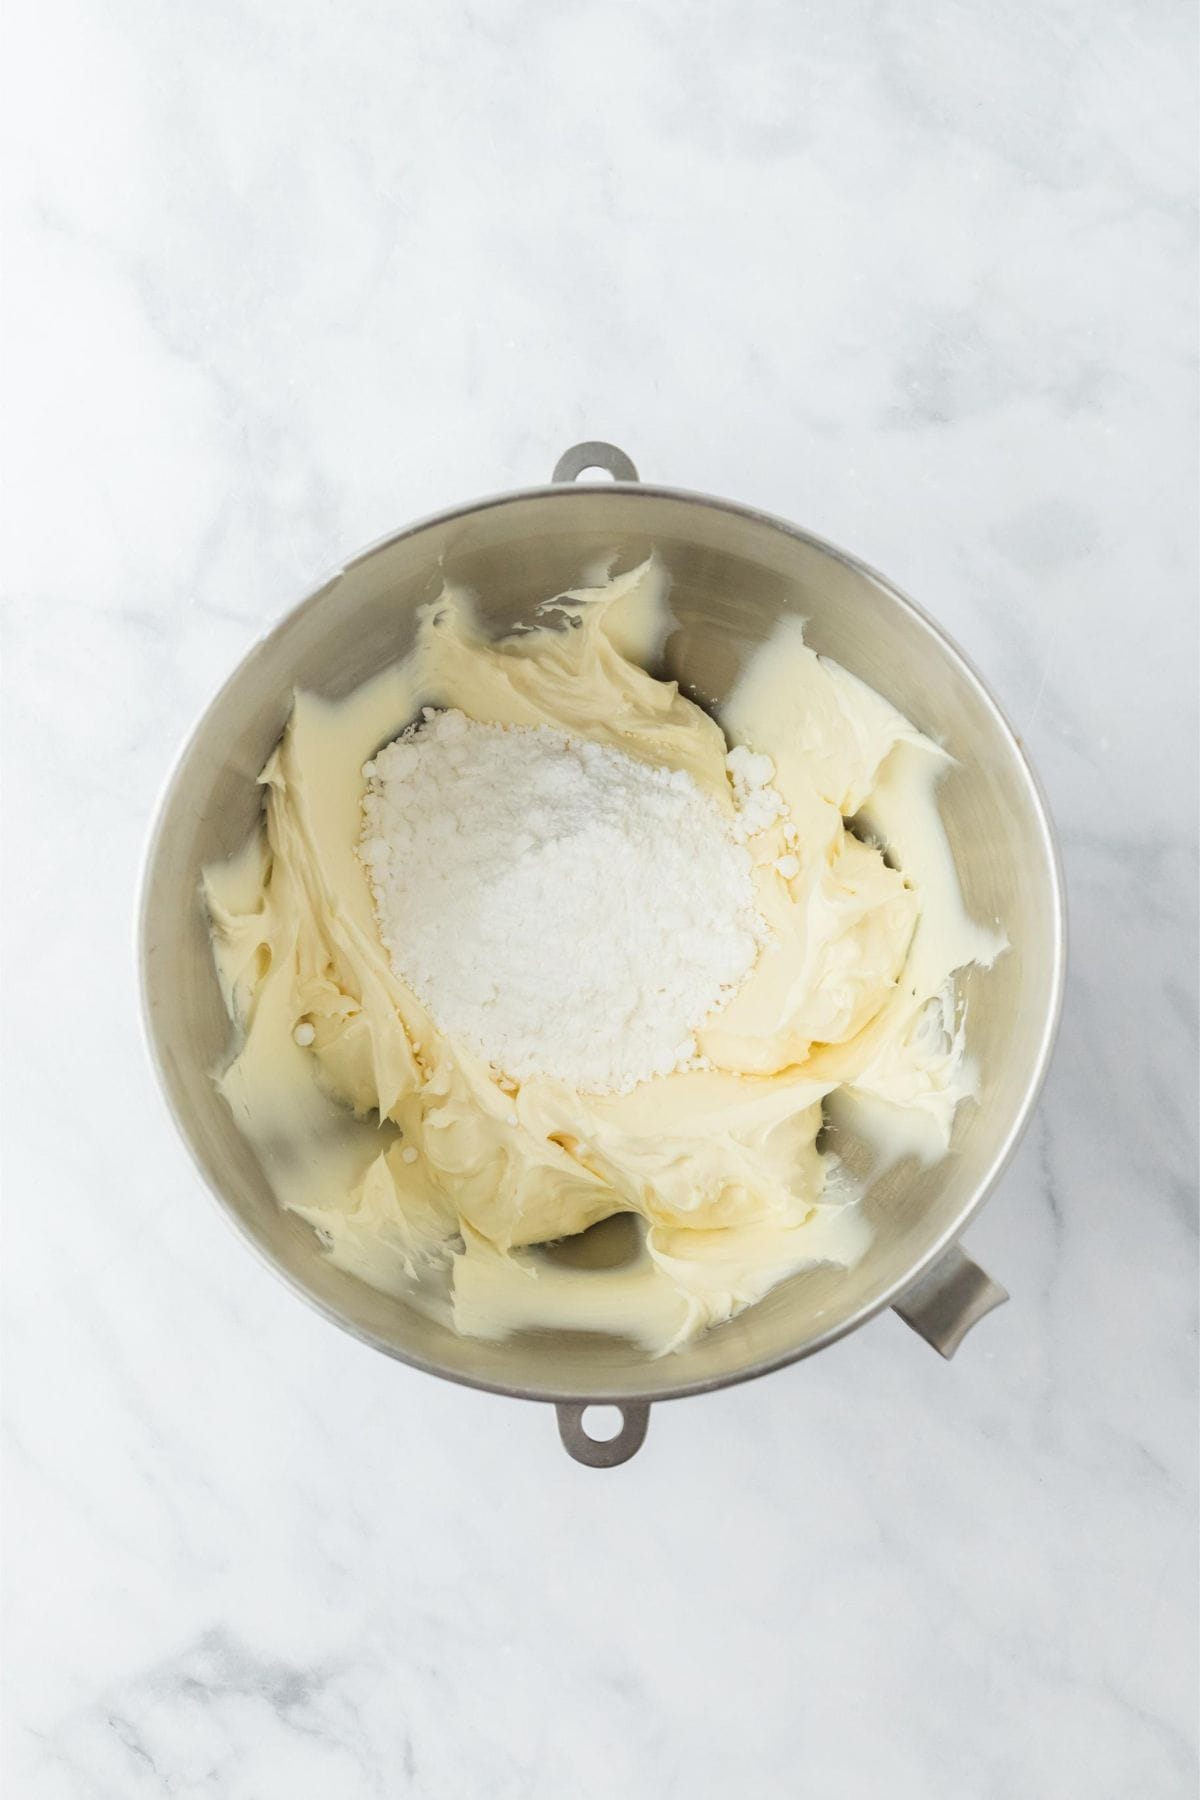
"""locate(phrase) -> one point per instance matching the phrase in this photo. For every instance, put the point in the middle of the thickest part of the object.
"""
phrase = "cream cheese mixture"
(371, 1073)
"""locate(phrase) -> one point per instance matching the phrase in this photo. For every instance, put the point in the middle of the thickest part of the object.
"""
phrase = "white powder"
(759, 804)
(559, 907)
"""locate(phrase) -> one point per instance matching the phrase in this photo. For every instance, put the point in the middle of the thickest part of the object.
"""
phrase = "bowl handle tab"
(948, 1299)
(603, 1453)
(594, 455)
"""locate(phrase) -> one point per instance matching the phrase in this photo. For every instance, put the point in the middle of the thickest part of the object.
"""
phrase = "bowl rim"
(548, 1393)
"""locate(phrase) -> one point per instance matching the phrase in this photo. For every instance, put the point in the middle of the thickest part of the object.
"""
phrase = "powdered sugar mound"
(559, 907)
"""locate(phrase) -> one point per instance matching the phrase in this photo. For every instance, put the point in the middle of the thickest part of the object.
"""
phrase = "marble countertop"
(282, 278)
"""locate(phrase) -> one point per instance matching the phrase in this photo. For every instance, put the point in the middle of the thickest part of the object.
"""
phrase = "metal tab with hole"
(594, 455)
(603, 1453)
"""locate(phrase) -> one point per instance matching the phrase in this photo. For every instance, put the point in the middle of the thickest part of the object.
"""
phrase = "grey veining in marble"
(282, 277)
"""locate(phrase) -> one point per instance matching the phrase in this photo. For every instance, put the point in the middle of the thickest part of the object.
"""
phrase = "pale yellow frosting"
(431, 1176)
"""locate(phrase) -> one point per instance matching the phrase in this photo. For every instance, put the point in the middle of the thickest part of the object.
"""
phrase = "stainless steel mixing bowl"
(734, 571)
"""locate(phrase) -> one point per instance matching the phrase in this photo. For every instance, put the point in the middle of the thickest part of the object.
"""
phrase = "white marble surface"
(283, 277)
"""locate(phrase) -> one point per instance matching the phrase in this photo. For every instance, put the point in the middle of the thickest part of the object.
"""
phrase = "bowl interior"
(733, 573)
